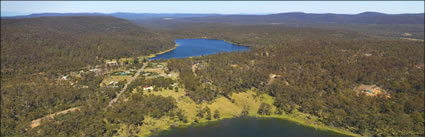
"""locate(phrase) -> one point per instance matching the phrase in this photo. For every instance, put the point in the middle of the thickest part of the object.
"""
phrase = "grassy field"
(109, 79)
(227, 109)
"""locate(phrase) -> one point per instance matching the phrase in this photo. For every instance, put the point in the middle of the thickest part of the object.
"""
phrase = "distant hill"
(375, 23)
(38, 44)
(300, 17)
(123, 15)
(280, 18)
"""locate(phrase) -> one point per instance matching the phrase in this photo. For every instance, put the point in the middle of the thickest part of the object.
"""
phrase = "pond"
(197, 47)
(249, 127)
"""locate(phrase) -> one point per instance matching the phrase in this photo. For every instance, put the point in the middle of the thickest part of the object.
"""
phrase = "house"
(174, 84)
(369, 91)
(96, 71)
(111, 63)
(147, 87)
(368, 54)
(113, 82)
(124, 73)
(147, 74)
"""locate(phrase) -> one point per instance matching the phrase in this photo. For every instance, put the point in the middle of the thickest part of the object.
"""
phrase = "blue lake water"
(198, 47)
(248, 127)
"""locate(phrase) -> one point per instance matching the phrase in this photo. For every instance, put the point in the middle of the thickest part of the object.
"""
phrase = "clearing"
(371, 90)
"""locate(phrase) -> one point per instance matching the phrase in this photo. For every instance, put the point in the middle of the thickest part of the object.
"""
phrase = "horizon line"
(270, 13)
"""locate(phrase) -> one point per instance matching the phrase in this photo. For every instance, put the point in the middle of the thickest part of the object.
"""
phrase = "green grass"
(227, 109)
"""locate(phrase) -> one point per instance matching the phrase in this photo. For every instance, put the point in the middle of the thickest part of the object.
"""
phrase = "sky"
(13, 8)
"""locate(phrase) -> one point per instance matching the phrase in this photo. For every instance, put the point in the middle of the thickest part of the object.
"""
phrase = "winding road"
(128, 83)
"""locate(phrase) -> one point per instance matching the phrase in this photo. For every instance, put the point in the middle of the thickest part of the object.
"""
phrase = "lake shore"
(284, 117)
(230, 110)
(162, 52)
(142, 57)
(316, 126)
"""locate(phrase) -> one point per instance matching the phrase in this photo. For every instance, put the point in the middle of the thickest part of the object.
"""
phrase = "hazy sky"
(12, 8)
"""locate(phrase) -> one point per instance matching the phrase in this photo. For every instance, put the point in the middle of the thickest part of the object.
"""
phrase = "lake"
(198, 47)
(248, 127)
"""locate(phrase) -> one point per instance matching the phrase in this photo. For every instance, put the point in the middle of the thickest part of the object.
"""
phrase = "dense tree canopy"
(313, 71)
(63, 43)
(35, 52)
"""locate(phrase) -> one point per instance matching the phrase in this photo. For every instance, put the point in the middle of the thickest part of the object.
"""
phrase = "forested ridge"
(308, 70)
(48, 43)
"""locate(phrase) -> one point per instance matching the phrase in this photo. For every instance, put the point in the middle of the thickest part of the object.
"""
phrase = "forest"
(36, 51)
(47, 44)
(310, 70)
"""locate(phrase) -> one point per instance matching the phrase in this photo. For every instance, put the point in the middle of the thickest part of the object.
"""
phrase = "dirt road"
(128, 83)
(36, 123)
